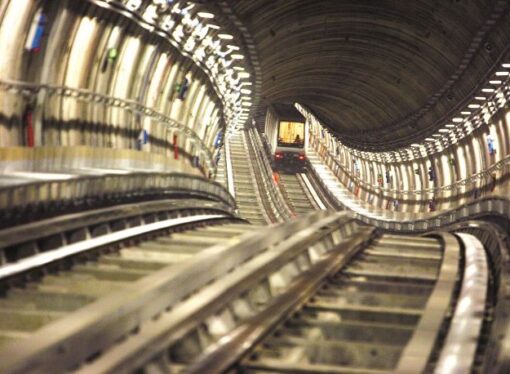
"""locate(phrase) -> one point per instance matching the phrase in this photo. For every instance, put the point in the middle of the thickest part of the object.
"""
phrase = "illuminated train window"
(291, 134)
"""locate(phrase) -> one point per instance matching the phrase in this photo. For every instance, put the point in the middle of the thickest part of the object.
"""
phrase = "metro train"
(285, 130)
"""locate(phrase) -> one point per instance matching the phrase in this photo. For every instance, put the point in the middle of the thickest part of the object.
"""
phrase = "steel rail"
(312, 191)
(493, 351)
(279, 204)
(235, 346)
(61, 345)
(41, 259)
(416, 355)
(184, 318)
(459, 350)
(133, 185)
(324, 193)
(232, 347)
(230, 173)
(80, 226)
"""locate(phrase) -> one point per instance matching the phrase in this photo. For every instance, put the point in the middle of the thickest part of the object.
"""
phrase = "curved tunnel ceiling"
(379, 73)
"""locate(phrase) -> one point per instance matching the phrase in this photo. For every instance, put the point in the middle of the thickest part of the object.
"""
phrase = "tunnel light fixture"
(237, 56)
(436, 135)
(243, 75)
(238, 68)
(465, 113)
(205, 15)
(450, 126)
(415, 145)
(480, 98)
(457, 120)
(225, 36)
(444, 131)
(429, 139)
(502, 73)
(506, 66)
(488, 90)
(474, 106)
(495, 82)
(233, 47)
(246, 91)
(212, 26)
(247, 104)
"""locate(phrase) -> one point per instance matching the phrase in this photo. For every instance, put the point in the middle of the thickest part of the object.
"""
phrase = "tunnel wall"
(471, 163)
(97, 79)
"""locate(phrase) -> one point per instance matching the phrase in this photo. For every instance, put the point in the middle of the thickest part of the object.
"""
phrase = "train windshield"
(291, 134)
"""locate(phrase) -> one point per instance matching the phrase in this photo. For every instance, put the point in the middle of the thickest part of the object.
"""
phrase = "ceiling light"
(444, 130)
(205, 15)
(450, 126)
(474, 106)
(457, 119)
(237, 56)
(502, 73)
(212, 26)
(506, 66)
(465, 113)
(488, 90)
(480, 98)
(495, 82)
(225, 36)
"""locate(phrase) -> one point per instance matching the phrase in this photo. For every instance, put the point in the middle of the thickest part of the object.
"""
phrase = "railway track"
(314, 295)
(298, 196)
(180, 300)
(367, 312)
(48, 275)
(328, 296)
(246, 191)
(362, 317)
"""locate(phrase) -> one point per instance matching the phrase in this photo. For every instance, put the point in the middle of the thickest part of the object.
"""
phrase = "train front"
(285, 130)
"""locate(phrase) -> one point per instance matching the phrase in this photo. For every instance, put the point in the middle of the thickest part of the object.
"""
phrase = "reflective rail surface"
(361, 314)
(104, 188)
(277, 203)
(128, 297)
(32, 306)
(317, 294)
